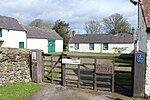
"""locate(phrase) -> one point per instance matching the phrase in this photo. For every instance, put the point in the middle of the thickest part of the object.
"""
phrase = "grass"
(54, 53)
(104, 54)
(123, 83)
(49, 74)
(119, 79)
(142, 98)
(17, 91)
(110, 54)
(127, 63)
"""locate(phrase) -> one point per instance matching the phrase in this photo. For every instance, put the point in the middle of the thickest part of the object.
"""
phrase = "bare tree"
(93, 27)
(115, 24)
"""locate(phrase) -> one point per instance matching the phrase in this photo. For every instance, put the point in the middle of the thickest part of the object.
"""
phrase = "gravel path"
(57, 92)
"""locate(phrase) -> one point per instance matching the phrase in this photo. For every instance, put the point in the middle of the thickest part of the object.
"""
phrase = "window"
(0, 32)
(105, 46)
(76, 46)
(91, 46)
(21, 44)
(71, 46)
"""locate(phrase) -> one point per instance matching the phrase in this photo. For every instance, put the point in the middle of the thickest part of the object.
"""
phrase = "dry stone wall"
(14, 65)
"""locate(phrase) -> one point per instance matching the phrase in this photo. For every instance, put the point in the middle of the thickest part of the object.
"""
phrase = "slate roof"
(34, 32)
(102, 38)
(146, 11)
(10, 23)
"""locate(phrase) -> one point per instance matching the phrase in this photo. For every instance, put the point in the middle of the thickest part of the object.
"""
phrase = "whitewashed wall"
(142, 34)
(99, 48)
(43, 44)
(147, 76)
(38, 44)
(59, 46)
(12, 38)
(111, 48)
(144, 45)
(85, 48)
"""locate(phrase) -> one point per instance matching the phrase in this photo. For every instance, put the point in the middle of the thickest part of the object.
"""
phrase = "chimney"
(133, 34)
(73, 33)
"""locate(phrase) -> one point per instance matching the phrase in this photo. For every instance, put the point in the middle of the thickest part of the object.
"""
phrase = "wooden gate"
(87, 73)
(90, 72)
(124, 66)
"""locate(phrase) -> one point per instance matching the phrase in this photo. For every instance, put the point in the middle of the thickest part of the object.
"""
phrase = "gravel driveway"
(57, 92)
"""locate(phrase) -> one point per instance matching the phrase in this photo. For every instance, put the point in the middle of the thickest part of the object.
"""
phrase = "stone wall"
(14, 65)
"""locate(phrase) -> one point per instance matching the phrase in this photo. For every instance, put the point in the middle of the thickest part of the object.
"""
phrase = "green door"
(21, 44)
(51, 46)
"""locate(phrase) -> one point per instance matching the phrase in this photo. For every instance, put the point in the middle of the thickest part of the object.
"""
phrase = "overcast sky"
(74, 12)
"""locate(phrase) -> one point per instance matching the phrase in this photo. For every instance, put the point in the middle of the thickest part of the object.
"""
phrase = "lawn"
(99, 53)
(49, 72)
(110, 54)
(17, 91)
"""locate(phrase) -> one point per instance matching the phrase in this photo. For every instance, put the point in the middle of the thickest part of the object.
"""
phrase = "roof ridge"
(104, 34)
(8, 17)
(38, 28)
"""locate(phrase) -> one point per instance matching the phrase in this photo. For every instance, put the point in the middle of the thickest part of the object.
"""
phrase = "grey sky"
(74, 12)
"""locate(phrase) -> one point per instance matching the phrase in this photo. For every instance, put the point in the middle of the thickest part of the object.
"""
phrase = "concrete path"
(57, 92)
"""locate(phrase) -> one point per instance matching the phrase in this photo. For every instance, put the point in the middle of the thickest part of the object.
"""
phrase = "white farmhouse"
(144, 38)
(46, 40)
(105, 43)
(12, 34)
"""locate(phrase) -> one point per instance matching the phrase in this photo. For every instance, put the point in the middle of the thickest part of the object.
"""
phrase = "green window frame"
(76, 46)
(91, 46)
(0, 32)
(21, 44)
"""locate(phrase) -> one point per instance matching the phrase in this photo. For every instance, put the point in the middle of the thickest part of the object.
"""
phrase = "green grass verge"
(17, 91)
(127, 63)
(110, 54)
(49, 72)
(146, 97)
(104, 54)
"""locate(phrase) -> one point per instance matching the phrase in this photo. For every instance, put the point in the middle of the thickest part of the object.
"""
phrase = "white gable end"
(11, 38)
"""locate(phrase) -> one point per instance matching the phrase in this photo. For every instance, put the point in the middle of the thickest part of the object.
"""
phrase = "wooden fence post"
(37, 67)
(78, 76)
(63, 72)
(95, 76)
(139, 74)
(52, 68)
(113, 75)
(132, 74)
